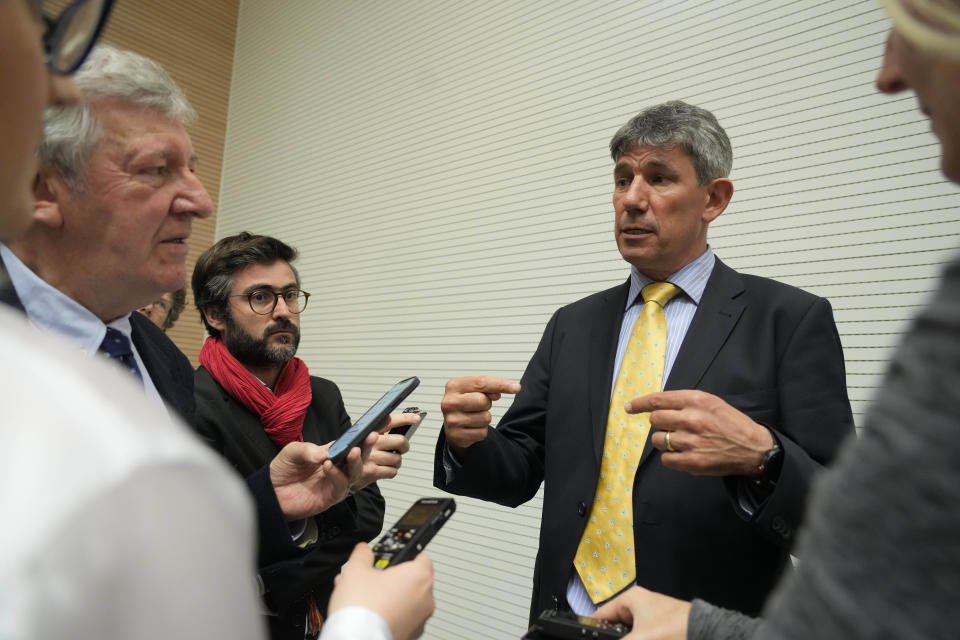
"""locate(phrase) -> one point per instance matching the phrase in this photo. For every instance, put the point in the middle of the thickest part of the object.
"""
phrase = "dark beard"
(255, 352)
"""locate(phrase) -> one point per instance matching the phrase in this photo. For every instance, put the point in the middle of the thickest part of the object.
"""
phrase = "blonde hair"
(932, 25)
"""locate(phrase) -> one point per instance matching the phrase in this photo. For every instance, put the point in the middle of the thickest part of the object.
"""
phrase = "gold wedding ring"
(669, 446)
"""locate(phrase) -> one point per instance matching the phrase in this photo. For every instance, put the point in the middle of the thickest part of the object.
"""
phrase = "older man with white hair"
(117, 523)
(114, 201)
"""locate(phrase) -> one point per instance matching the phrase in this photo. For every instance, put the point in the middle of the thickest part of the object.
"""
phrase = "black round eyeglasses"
(70, 36)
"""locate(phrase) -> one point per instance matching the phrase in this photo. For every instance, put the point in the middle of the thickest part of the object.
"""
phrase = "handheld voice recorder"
(412, 532)
(565, 625)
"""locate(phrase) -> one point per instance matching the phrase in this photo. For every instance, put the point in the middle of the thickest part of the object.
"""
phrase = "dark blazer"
(236, 433)
(768, 349)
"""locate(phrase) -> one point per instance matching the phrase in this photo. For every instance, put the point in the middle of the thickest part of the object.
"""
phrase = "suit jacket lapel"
(247, 425)
(603, 353)
(244, 424)
(159, 356)
(716, 316)
(718, 313)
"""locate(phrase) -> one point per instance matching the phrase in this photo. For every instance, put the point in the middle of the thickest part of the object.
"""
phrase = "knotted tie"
(605, 558)
(117, 347)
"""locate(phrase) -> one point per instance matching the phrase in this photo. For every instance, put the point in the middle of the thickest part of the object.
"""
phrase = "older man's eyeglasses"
(264, 301)
(70, 36)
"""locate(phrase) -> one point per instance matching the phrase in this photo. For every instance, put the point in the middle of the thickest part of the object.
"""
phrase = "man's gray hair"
(71, 133)
(678, 124)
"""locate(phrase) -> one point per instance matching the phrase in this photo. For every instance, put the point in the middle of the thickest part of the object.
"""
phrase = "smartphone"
(409, 429)
(370, 420)
(564, 625)
(413, 531)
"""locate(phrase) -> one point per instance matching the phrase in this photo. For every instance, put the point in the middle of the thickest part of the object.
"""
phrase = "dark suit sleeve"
(507, 466)
(815, 418)
(274, 540)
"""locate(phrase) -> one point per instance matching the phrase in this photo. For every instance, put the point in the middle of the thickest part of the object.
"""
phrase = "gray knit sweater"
(879, 556)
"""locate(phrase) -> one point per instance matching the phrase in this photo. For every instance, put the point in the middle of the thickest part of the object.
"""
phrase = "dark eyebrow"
(653, 163)
(161, 153)
(264, 285)
(661, 164)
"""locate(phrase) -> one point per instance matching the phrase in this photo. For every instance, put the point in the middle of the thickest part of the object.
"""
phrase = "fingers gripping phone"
(409, 429)
(370, 420)
(413, 531)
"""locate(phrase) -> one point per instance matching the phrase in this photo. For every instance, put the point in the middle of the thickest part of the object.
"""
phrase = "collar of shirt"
(692, 279)
(52, 310)
(49, 309)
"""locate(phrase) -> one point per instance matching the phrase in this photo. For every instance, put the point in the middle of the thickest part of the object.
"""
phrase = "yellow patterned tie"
(605, 557)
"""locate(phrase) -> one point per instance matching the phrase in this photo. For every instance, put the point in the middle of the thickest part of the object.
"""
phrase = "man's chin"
(280, 354)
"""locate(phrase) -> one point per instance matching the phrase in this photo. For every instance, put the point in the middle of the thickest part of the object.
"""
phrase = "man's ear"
(719, 192)
(48, 191)
(214, 319)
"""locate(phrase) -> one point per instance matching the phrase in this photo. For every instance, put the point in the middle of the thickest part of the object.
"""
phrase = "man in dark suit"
(755, 400)
(254, 397)
(114, 200)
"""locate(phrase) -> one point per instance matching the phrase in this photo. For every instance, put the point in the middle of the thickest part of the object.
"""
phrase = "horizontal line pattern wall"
(442, 167)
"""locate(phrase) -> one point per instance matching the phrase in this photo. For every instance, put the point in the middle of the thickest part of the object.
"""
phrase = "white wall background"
(442, 167)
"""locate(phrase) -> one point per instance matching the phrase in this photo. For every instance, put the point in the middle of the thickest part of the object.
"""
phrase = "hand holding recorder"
(402, 596)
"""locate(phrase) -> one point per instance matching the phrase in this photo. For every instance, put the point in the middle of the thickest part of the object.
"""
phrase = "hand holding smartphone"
(409, 429)
(372, 419)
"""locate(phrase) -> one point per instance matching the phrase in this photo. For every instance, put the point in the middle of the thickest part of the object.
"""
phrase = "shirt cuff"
(451, 464)
(355, 623)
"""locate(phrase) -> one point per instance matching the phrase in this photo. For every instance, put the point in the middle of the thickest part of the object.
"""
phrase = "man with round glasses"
(114, 199)
(114, 517)
(254, 397)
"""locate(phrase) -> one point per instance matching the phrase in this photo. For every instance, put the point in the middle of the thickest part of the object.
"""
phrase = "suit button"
(556, 602)
(780, 525)
(581, 509)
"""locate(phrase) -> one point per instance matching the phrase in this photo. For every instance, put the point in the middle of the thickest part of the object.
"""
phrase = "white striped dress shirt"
(692, 279)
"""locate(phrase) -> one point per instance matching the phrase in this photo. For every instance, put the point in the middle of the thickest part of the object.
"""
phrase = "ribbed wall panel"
(442, 167)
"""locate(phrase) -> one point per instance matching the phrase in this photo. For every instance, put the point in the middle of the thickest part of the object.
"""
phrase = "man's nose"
(890, 78)
(281, 310)
(635, 195)
(193, 198)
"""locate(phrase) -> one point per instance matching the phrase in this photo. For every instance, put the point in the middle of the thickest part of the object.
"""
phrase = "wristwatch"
(770, 464)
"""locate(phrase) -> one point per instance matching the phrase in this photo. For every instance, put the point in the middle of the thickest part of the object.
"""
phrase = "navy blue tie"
(117, 346)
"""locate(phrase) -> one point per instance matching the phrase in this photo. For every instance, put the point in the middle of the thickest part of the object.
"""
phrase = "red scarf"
(281, 411)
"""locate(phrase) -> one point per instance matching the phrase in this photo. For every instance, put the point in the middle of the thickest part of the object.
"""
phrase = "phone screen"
(371, 419)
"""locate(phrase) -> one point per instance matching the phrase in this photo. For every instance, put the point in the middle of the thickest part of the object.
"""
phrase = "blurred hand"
(707, 435)
(466, 407)
(307, 482)
(653, 616)
(402, 595)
